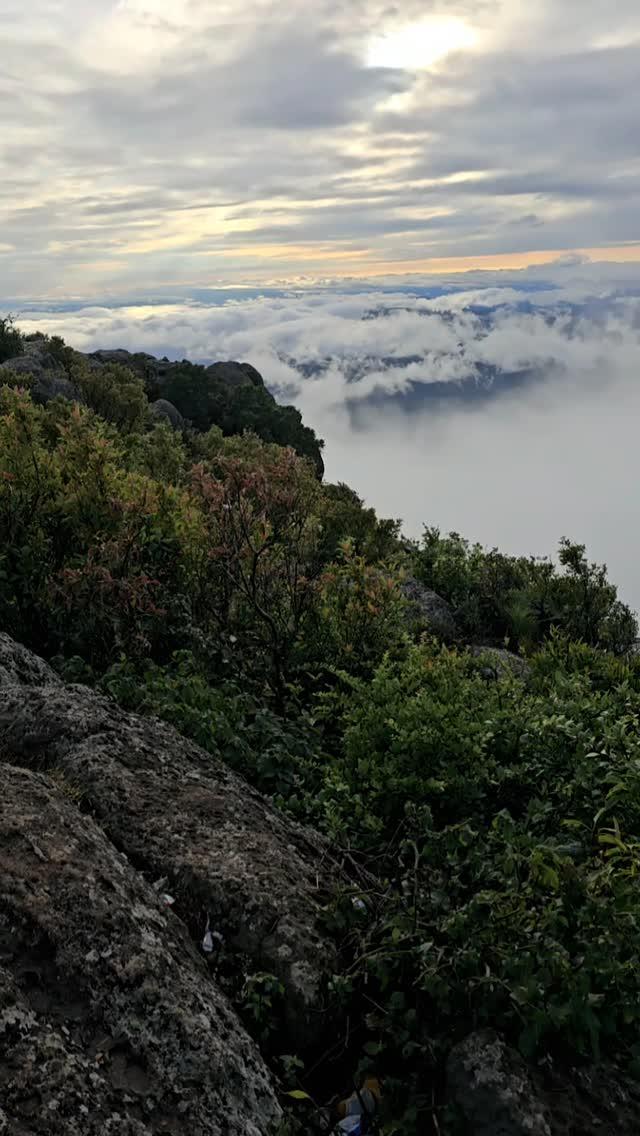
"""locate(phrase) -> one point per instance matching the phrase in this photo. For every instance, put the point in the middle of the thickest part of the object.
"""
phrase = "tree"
(523, 599)
(589, 604)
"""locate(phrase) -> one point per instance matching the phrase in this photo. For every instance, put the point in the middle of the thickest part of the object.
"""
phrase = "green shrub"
(11, 342)
(358, 616)
(206, 400)
(520, 600)
(113, 392)
(344, 517)
(503, 822)
(278, 756)
(160, 453)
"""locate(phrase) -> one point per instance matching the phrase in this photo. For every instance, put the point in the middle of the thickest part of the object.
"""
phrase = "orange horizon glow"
(301, 266)
(364, 263)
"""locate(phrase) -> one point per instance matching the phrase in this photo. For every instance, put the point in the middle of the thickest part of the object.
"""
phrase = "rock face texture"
(106, 1004)
(500, 663)
(235, 374)
(492, 1088)
(109, 1022)
(124, 358)
(19, 665)
(429, 611)
(179, 814)
(494, 1093)
(165, 411)
(46, 378)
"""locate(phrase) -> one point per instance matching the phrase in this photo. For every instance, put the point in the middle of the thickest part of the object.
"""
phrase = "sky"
(181, 144)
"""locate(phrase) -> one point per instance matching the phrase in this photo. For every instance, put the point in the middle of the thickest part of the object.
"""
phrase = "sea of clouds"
(519, 469)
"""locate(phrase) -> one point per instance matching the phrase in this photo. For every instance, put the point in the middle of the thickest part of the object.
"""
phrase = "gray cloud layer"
(148, 141)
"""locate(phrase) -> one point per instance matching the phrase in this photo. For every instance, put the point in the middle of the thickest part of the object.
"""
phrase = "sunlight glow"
(420, 45)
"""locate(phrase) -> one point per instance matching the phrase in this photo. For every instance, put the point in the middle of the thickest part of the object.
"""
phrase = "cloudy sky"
(150, 144)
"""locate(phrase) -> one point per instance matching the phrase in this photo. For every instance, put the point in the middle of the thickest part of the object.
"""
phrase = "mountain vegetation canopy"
(487, 789)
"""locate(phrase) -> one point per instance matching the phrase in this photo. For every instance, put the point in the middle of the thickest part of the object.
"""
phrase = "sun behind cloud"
(415, 46)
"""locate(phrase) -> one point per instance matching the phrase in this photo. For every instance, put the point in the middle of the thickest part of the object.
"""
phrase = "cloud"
(553, 455)
(176, 141)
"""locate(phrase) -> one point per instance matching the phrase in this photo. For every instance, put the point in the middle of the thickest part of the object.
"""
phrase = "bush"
(276, 755)
(206, 400)
(255, 571)
(503, 822)
(11, 342)
(520, 600)
(344, 517)
(113, 392)
(358, 617)
(160, 453)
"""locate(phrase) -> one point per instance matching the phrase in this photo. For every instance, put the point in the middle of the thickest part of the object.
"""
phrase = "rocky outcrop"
(46, 378)
(19, 665)
(151, 370)
(163, 411)
(179, 392)
(490, 1086)
(177, 813)
(111, 1017)
(121, 357)
(157, 372)
(109, 1022)
(499, 663)
(235, 374)
(492, 1092)
(428, 611)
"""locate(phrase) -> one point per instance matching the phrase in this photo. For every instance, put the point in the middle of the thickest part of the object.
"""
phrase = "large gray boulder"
(491, 1088)
(46, 378)
(110, 1024)
(235, 374)
(19, 665)
(145, 366)
(118, 355)
(499, 663)
(428, 611)
(163, 411)
(180, 814)
(493, 1092)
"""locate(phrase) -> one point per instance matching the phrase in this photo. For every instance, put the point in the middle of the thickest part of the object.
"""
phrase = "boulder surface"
(109, 1022)
(112, 1019)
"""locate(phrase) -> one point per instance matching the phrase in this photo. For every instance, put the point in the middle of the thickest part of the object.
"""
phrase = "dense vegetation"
(230, 396)
(521, 600)
(492, 821)
(10, 339)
